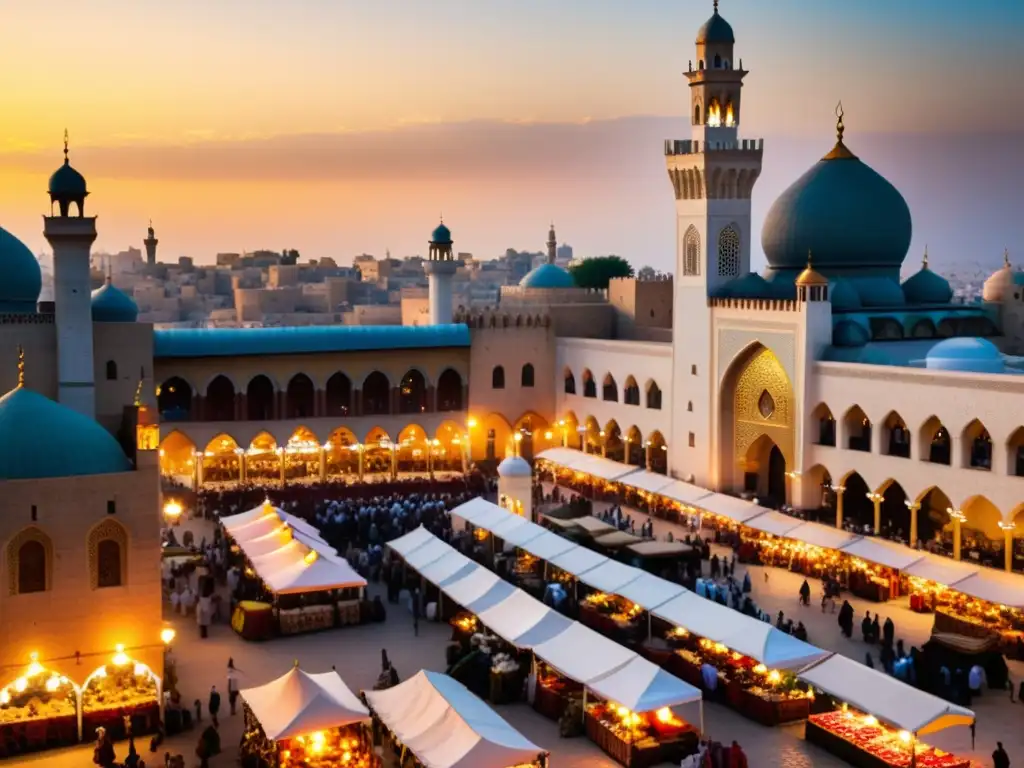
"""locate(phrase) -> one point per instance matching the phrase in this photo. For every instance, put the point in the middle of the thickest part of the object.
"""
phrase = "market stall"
(121, 690)
(881, 720)
(39, 706)
(444, 725)
(307, 720)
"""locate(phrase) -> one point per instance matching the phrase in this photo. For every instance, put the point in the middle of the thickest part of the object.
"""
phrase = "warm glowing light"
(120, 658)
(317, 742)
(518, 437)
(664, 715)
(310, 557)
(172, 510)
(714, 115)
(905, 737)
(20, 684)
(547, 435)
(774, 676)
(760, 669)
(5, 697)
(471, 423)
(167, 635)
(140, 670)
(870, 720)
(34, 668)
(730, 120)
(52, 683)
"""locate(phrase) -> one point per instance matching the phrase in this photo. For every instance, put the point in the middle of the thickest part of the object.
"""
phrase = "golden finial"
(65, 145)
(924, 261)
(716, 6)
(839, 151)
(21, 366)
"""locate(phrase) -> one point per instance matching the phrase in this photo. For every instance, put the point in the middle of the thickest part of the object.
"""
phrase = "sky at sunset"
(337, 127)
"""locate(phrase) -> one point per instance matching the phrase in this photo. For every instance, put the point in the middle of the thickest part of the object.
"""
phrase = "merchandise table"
(642, 753)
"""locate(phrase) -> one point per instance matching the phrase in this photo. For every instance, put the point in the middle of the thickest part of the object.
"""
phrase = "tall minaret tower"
(71, 237)
(150, 243)
(712, 175)
(440, 268)
(552, 244)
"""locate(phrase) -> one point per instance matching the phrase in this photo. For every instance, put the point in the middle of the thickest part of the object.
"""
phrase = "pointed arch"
(449, 391)
(589, 385)
(823, 425)
(219, 403)
(856, 506)
(857, 429)
(338, 395)
(107, 545)
(631, 391)
(591, 435)
(341, 455)
(933, 442)
(177, 454)
(657, 449)
(570, 381)
(220, 445)
(895, 516)
(498, 377)
(729, 249)
(174, 399)
(1015, 453)
(614, 448)
(982, 517)
(260, 394)
(300, 397)
(653, 395)
(30, 562)
(896, 437)
(977, 446)
(691, 252)
(302, 440)
(634, 446)
(412, 393)
(526, 376)
(376, 394)
(609, 389)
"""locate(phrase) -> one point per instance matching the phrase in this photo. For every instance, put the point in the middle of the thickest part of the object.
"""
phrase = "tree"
(595, 272)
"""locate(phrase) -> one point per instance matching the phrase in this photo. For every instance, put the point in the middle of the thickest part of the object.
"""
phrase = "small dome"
(847, 333)
(715, 30)
(810, 276)
(966, 355)
(112, 305)
(862, 355)
(926, 287)
(41, 438)
(547, 276)
(21, 278)
(441, 235)
(999, 285)
(67, 184)
(515, 466)
(878, 292)
(748, 286)
(843, 295)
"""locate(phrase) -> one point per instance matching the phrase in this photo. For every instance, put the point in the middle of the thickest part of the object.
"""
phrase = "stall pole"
(913, 750)
(701, 705)
(648, 626)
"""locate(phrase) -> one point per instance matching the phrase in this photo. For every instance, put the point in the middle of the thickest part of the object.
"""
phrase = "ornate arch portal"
(757, 440)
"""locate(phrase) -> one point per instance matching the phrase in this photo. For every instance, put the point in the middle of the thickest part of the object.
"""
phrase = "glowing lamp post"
(958, 517)
(517, 438)
(172, 512)
(1007, 529)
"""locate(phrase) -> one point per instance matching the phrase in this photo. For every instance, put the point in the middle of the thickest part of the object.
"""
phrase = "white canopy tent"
(882, 552)
(582, 654)
(478, 590)
(446, 726)
(611, 576)
(754, 638)
(521, 535)
(524, 621)
(941, 569)
(995, 586)
(685, 493)
(450, 567)
(299, 703)
(885, 697)
(642, 686)
(430, 552)
(577, 561)
(649, 591)
(325, 572)
(414, 539)
(819, 535)
(547, 545)
(566, 457)
(481, 513)
(645, 480)
(775, 523)
(736, 509)
(597, 466)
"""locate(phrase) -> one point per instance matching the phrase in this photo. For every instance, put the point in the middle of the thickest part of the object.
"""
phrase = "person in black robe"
(846, 618)
(889, 632)
(865, 627)
(876, 630)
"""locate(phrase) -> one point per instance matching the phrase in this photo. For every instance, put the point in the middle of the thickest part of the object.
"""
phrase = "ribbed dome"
(926, 287)
(112, 305)
(966, 355)
(515, 466)
(40, 438)
(843, 295)
(441, 235)
(715, 30)
(844, 212)
(21, 279)
(547, 276)
(847, 333)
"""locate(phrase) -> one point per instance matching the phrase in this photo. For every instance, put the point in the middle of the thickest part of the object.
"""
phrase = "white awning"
(649, 591)
(582, 654)
(883, 552)
(754, 638)
(325, 572)
(645, 480)
(448, 568)
(299, 703)
(508, 525)
(736, 509)
(995, 586)
(685, 493)
(423, 556)
(524, 621)
(414, 539)
(944, 570)
(820, 535)
(566, 457)
(644, 687)
(611, 576)
(594, 525)
(446, 726)
(885, 697)
(521, 535)
(478, 590)
(578, 560)
(588, 464)
(481, 513)
(547, 545)
(775, 523)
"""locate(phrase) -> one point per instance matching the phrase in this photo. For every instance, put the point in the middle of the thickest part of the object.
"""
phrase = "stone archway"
(757, 414)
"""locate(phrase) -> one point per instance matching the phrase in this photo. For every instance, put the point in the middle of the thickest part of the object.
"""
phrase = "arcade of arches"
(627, 445)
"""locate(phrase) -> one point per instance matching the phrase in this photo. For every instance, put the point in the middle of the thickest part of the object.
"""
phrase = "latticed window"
(691, 252)
(729, 252)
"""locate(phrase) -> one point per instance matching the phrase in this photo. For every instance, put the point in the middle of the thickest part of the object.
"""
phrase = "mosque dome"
(862, 355)
(999, 286)
(547, 276)
(112, 305)
(970, 355)
(21, 278)
(844, 212)
(40, 438)
(847, 333)
(515, 466)
(67, 183)
(926, 287)
(441, 235)
(748, 286)
(878, 292)
(843, 295)
(715, 30)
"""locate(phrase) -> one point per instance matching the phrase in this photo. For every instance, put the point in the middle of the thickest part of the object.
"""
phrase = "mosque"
(825, 382)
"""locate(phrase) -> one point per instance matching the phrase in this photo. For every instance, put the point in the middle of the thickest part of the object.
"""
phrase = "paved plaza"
(355, 652)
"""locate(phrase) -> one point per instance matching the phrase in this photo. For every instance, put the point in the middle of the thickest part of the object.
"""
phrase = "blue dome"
(847, 215)
(441, 235)
(748, 286)
(878, 292)
(21, 279)
(112, 305)
(67, 184)
(926, 287)
(847, 333)
(967, 355)
(715, 30)
(862, 355)
(843, 295)
(40, 438)
(547, 276)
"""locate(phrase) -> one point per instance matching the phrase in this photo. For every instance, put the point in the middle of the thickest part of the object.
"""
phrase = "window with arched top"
(108, 553)
(729, 252)
(526, 379)
(29, 562)
(111, 370)
(498, 377)
(691, 252)
(570, 383)
(696, 114)
(718, 61)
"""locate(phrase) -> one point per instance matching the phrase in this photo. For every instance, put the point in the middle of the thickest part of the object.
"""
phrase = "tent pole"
(649, 630)
(701, 717)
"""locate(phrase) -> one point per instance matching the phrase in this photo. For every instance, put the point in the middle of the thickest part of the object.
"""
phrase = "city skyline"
(497, 137)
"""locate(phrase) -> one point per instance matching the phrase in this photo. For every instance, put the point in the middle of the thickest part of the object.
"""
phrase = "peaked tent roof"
(446, 726)
(298, 703)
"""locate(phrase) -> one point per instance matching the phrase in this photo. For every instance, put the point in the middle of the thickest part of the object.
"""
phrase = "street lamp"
(172, 511)
(517, 438)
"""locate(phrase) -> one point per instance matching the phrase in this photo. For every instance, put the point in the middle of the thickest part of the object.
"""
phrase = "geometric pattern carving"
(729, 252)
(108, 555)
(691, 252)
(762, 383)
(14, 546)
(766, 405)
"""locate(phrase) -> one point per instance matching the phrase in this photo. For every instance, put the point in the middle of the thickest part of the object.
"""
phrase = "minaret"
(552, 244)
(71, 237)
(150, 243)
(713, 175)
(440, 268)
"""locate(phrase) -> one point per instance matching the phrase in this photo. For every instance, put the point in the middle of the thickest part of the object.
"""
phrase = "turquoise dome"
(842, 211)
(441, 235)
(748, 286)
(547, 276)
(862, 355)
(21, 279)
(112, 305)
(847, 333)
(715, 30)
(843, 295)
(926, 287)
(67, 183)
(878, 292)
(40, 438)
(966, 355)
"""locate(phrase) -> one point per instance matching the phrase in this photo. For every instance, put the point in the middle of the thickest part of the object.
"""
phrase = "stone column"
(281, 456)
(876, 499)
(197, 408)
(1008, 539)
(319, 403)
(956, 537)
(648, 454)
(357, 402)
(604, 446)
(242, 468)
(914, 509)
(431, 400)
(243, 407)
(839, 506)
(323, 465)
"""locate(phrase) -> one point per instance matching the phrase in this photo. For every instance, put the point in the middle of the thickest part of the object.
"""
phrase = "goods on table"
(121, 684)
(308, 619)
(326, 749)
(618, 609)
(253, 620)
(890, 746)
(36, 696)
(633, 727)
